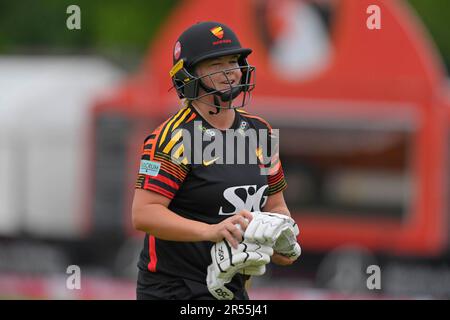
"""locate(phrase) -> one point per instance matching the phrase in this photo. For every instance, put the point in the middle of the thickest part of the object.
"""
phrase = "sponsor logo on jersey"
(207, 163)
(243, 125)
(206, 131)
(254, 198)
(150, 168)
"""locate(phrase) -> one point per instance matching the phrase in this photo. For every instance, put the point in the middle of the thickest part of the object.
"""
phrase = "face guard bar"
(188, 84)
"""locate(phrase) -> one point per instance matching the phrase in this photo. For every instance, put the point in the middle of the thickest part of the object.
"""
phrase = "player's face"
(224, 72)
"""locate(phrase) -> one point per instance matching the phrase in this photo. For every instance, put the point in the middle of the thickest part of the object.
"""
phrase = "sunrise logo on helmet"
(217, 31)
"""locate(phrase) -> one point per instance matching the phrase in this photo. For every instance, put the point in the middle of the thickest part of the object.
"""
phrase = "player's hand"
(281, 260)
(228, 230)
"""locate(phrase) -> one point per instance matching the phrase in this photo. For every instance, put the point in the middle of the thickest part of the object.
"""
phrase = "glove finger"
(239, 258)
(271, 234)
(296, 229)
(257, 258)
(259, 233)
(243, 260)
(268, 250)
(254, 246)
(254, 270)
(251, 229)
(251, 246)
(293, 253)
(297, 250)
(241, 248)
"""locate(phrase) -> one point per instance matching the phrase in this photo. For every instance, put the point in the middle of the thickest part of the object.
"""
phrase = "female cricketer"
(184, 206)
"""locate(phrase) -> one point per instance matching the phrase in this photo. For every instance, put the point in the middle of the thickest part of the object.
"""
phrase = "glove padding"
(227, 261)
(275, 230)
(287, 244)
(253, 270)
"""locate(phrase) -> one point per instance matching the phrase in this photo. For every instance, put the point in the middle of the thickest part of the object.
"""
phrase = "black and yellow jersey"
(208, 190)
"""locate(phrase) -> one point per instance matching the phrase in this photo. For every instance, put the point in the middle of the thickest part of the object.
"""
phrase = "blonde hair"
(185, 103)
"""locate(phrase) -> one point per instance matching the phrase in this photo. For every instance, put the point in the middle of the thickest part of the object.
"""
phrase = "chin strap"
(224, 96)
(216, 102)
(214, 113)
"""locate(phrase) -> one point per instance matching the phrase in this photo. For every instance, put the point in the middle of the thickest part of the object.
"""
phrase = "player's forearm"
(276, 204)
(163, 223)
(282, 210)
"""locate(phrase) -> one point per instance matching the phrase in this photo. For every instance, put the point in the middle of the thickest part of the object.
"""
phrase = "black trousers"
(152, 286)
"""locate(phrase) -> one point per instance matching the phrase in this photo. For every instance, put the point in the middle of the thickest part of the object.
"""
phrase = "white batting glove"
(255, 269)
(287, 244)
(227, 261)
(277, 230)
(266, 227)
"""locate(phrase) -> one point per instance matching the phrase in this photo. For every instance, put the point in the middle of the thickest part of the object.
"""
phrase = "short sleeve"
(273, 168)
(276, 179)
(160, 170)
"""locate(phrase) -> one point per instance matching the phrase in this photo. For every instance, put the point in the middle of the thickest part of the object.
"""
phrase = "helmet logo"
(177, 50)
(217, 31)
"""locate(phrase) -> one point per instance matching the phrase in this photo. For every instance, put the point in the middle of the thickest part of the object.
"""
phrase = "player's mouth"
(231, 82)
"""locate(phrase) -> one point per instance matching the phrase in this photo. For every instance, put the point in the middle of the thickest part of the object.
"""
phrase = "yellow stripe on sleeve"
(166, 129)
